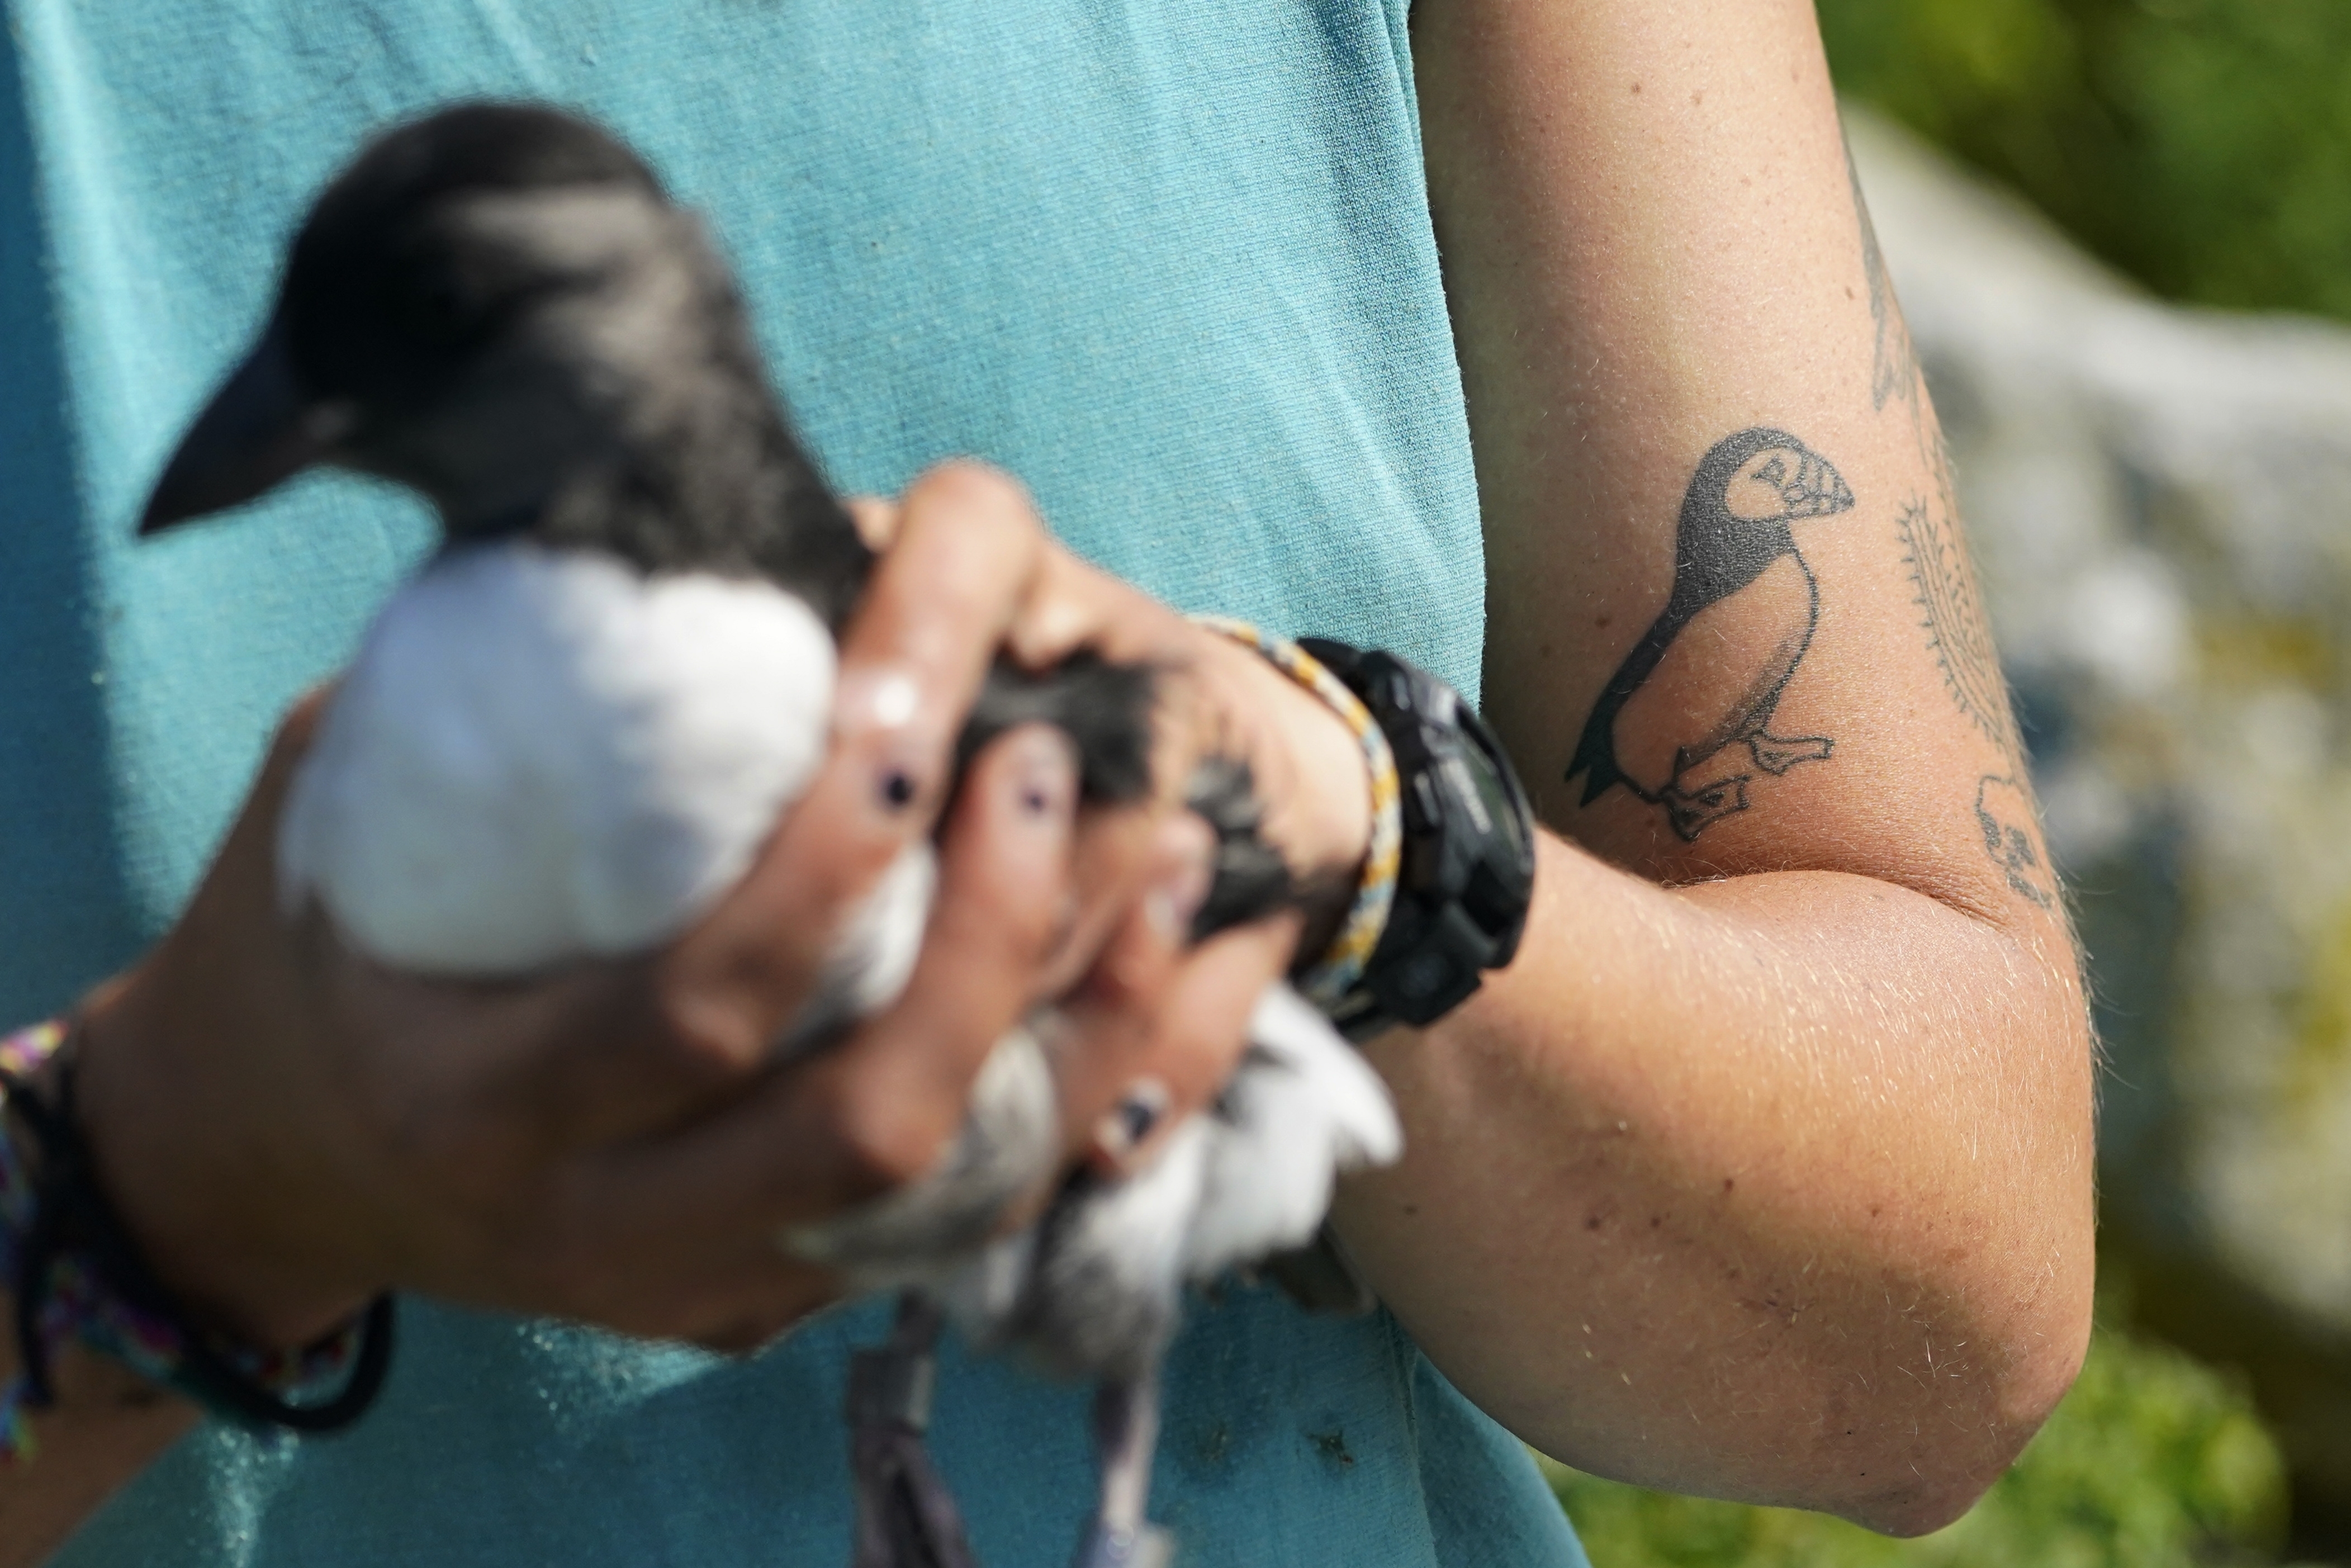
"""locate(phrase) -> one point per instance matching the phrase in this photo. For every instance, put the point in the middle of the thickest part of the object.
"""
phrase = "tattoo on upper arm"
(1951, 612)
(2004, 813)
(1950, 598)
(1686, 719)
(1894, 367)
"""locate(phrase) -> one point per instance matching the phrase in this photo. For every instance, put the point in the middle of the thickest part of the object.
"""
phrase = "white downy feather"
(874, 954)
(541, 754)
(1303, 1107)
(1098, 1283)
(1094, 1287)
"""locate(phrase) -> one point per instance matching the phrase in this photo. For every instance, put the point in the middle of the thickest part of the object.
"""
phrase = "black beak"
(1818, 490)
(259, 430)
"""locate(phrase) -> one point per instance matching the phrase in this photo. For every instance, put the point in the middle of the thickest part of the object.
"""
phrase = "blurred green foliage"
(2154, 1461)
(2201, 146)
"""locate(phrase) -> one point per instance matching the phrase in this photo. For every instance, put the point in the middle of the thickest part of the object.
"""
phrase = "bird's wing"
(1291, 1032)
(1094, 1288)
(1595, 748)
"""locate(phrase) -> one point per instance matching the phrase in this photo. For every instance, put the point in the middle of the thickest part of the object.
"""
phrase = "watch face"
(1498, 795)
(1492, 797)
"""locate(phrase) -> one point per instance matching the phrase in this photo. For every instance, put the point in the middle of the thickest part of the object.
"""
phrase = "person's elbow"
(2038, 1352)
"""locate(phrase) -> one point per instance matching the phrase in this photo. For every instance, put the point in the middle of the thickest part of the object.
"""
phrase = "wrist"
(80, 1278)
(192, 1186)
(1308, 767)
(1463, 837)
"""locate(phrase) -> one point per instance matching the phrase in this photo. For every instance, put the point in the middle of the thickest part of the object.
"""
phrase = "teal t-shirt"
(1169, 261)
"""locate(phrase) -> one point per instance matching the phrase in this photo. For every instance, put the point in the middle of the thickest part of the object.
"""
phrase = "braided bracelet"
(1342, 964)
(76, 1275)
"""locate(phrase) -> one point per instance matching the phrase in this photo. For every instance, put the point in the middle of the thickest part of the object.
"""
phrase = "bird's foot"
(1126, 1434)
(1108, 1546)
(1776, 754)
(1692, 811)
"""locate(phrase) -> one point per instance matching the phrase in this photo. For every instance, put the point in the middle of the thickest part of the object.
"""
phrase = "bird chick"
(570, 733)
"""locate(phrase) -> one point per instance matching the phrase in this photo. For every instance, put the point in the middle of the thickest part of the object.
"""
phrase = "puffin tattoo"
(1741, 617)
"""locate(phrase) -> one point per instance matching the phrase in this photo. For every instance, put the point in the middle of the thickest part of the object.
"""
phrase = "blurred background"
(2121, 230)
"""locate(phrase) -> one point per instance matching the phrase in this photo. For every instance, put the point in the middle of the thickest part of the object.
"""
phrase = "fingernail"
(1124, 1126)
(1171, 901)
(902, 776)
(886, 697)
(882, 708)
(1043, 774)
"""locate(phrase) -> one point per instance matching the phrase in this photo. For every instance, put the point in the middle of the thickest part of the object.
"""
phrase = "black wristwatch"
(1468, 870)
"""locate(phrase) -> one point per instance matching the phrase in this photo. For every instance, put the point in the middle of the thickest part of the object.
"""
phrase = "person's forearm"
(1765, 1172)
(107, 1425)
(1742, 1179)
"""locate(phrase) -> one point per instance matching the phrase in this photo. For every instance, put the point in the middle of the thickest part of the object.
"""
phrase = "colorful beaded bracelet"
(1342, 964)
(76, 1276)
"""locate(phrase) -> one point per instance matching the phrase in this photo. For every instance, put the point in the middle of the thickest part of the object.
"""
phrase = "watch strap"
(1466, 872)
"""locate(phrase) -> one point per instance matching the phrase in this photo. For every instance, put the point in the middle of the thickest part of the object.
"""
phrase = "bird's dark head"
(495, 305)
(1735, 515)
(1764, 475)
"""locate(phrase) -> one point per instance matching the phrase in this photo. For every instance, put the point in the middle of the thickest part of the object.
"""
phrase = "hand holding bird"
(292, 1126)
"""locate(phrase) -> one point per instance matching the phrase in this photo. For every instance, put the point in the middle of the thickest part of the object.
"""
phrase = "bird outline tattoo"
(1742, 610)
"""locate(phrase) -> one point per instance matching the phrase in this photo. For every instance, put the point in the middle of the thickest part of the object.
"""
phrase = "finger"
(1114, 854)
(963, 555)
(876, 519)
(880, 1108)
(1102, 1045)
(1199, 1031)
(1072, 605)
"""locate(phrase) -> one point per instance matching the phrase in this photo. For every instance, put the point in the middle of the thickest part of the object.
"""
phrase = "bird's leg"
(1126, 1432)
(906, 1516)
(1691, 812)
(1776, 754)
